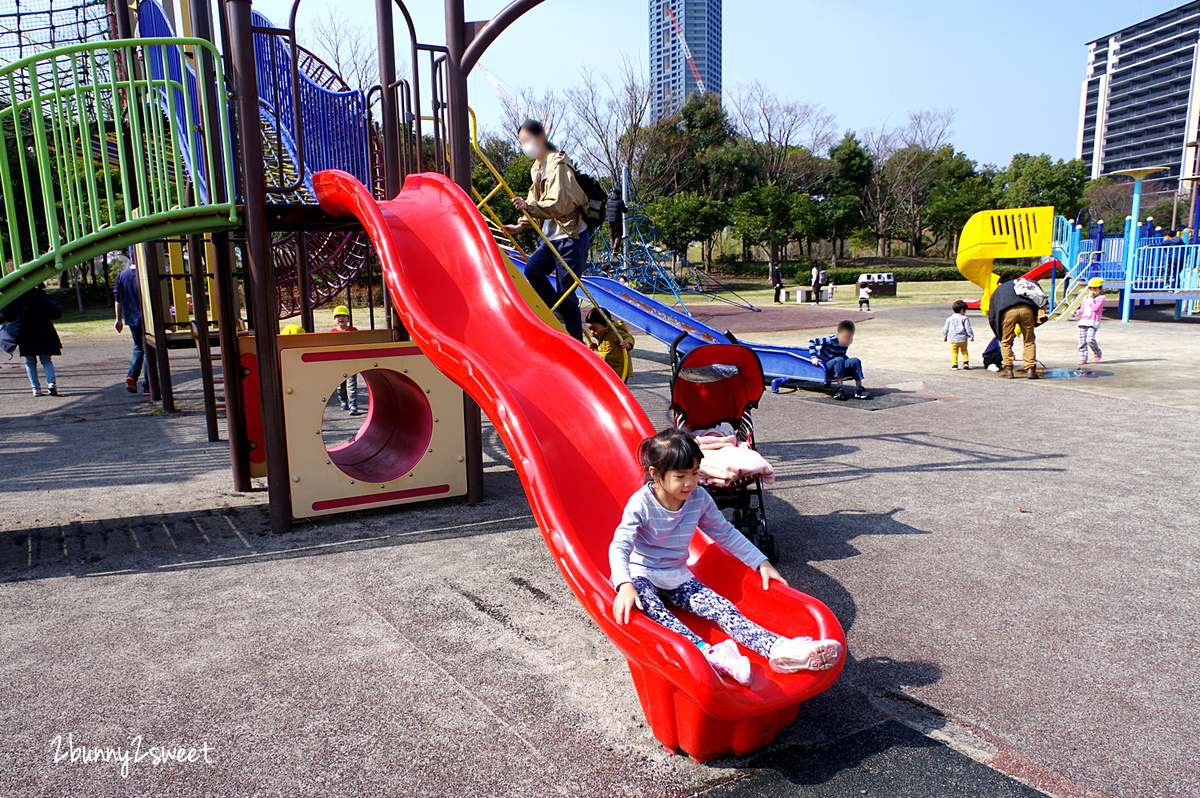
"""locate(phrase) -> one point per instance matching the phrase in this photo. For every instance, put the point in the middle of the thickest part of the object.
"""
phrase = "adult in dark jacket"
(29, 325)
(1008, 312)
(614, 214)
(777, 282)
(127, 305)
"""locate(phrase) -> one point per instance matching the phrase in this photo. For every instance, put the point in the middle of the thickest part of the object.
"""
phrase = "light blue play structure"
(1137, 263)
(781, 364)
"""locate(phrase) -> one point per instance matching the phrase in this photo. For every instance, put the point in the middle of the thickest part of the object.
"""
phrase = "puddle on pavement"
(1074, 374)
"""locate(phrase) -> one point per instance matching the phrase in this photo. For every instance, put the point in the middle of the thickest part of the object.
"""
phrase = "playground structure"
(132, 141)
(1137, 263)
(439, 255)
(781, 364)
(649, 266)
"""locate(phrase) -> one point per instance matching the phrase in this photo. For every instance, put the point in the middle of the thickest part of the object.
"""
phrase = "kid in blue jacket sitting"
(830, 352)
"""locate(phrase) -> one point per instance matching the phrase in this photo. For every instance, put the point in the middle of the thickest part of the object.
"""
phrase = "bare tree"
(613, 114)
(547, 108)
(787, 136)
(1108, 200)
(350, 50)
(905, 160)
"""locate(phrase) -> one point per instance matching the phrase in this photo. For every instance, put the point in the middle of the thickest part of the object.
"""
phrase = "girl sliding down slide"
(648, 560)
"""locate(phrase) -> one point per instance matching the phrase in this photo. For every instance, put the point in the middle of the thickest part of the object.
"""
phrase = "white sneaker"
(726, 660)
(38, 392)
(804, 654)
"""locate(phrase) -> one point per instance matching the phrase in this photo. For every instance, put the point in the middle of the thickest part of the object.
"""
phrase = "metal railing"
(508, 241)
(1107, 262)
(318, 126)
(94, 154)
(1166, 269)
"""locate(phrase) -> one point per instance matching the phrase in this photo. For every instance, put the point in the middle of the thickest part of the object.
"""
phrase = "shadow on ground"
(238, 535)
(817, 461)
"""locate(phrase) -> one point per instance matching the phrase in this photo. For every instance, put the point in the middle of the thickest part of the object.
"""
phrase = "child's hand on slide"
(768, 573)
(627, 599)
(816, 361)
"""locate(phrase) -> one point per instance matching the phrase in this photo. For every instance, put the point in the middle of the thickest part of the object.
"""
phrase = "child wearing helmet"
(348, 390)
(1090, 313)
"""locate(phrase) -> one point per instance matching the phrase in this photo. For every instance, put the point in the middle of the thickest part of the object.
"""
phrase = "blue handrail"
(169, 63)
(333, 128)
(1166, 269)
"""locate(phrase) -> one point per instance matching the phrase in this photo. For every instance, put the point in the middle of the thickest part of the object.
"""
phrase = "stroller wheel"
(767, 545)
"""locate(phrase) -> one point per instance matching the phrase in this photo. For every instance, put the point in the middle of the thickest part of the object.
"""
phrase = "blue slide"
(780, 363)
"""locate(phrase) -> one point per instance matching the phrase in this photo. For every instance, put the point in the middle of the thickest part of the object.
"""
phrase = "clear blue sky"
(1012, 70)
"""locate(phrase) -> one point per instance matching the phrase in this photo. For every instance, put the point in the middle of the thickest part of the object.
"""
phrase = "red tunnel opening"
(395, 434)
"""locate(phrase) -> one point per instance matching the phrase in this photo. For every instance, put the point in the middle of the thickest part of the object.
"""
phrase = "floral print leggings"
(705, 602)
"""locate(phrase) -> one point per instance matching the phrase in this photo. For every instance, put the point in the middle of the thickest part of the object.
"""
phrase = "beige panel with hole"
(411, 445)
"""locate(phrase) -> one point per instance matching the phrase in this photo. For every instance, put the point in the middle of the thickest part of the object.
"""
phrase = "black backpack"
(593, 212)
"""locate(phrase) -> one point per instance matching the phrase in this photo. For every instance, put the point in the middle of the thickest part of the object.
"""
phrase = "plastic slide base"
(571, 426)
(684, 728)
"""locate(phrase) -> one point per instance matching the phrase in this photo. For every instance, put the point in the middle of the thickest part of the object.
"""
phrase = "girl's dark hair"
(959, 306)
(594, 316)
(670, 450)
(536, 128)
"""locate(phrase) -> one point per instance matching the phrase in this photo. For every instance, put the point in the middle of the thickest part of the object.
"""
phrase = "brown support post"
(460, 172)
(303, 284)
(225, 298)
(162, 354)
(231, 369)
(151, 364)
(260, 268)
(388, 112)
(196, 274)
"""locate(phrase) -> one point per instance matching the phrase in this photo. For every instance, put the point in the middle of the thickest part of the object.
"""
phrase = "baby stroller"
(722, 383)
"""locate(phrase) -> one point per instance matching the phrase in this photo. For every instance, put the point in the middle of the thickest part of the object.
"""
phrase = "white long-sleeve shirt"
(652, 541)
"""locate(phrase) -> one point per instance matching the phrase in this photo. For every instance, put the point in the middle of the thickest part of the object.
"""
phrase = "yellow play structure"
(1006, 233)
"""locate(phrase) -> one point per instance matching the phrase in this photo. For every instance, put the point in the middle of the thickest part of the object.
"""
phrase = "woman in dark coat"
(29, 325)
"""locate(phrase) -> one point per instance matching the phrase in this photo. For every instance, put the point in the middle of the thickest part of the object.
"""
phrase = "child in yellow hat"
(348, 390)
(1090, 312)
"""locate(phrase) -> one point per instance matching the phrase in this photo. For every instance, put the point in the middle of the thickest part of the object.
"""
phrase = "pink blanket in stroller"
(727, 460)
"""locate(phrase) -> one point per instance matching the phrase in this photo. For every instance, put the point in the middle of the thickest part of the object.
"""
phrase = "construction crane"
(687, 51)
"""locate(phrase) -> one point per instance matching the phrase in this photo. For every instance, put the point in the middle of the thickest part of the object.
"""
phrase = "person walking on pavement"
(127, 305)
(28, 324)
(614, 215)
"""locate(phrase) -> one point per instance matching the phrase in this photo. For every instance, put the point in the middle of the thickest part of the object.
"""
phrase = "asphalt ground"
(1013, 562)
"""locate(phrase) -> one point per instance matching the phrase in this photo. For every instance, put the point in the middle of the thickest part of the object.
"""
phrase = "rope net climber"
(29, 27)
(33, 26)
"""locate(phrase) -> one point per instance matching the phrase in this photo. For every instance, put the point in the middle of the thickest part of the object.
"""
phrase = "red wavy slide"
(571, 428)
